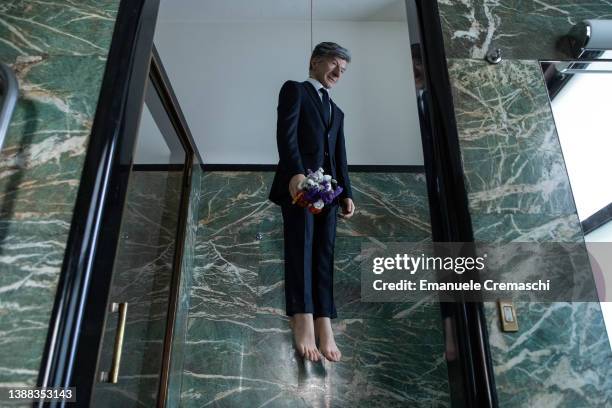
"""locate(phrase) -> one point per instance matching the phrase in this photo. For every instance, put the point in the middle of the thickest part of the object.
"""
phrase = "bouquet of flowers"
(317, 190)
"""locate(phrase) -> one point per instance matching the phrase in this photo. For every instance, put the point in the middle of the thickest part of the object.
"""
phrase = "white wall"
(227, 75)
(581, 112)
(598, 243)
(151, 147)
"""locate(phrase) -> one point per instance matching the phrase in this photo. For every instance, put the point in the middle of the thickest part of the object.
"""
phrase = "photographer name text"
(459, 265)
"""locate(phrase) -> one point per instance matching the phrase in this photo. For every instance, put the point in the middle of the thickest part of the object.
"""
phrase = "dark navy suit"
(305, 142)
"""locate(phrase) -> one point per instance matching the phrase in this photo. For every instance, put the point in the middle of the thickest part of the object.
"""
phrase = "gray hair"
(330, 49)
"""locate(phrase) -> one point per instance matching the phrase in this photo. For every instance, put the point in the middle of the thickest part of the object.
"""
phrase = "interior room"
(157, 219)
(236, 301)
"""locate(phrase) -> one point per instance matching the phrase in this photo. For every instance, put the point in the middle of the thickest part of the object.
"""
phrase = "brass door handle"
(117, 350)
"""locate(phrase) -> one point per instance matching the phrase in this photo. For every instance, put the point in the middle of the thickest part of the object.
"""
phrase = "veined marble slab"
(510, 150)
(58, 51)
(518, 190)
(522, 29)
(60, 27)
(559, 358)
(239, 349)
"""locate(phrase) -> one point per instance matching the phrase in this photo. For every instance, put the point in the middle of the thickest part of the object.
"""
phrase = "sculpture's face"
(328, 70)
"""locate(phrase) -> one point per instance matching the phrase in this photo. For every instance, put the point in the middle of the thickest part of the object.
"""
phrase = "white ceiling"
(348, 10)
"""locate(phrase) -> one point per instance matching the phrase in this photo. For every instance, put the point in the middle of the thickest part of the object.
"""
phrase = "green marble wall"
(58, 50)
(239, 347)
(523, 29)
(187, 271)
(518, 190)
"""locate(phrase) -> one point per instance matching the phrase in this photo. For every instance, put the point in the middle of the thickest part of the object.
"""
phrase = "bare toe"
(303, 335)
(328, 346)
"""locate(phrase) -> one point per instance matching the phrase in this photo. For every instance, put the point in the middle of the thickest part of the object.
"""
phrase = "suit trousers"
(309, 242)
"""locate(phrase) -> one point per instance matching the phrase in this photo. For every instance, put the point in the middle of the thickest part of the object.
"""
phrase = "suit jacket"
(301, 134)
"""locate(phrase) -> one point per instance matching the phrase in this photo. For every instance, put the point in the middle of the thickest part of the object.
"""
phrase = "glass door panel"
(130, 362)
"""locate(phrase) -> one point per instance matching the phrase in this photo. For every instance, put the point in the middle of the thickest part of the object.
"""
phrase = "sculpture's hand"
(348, 208)
(294, 184)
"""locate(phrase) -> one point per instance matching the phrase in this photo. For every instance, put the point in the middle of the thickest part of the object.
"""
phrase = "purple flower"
(319, 189)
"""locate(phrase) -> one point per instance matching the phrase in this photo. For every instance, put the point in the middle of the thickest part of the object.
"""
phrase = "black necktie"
(326, 106)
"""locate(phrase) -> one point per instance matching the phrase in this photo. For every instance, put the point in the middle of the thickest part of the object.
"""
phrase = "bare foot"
(327, 344)
(304, 337)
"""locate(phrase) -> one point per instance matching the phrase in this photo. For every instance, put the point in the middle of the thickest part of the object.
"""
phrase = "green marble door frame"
(518, 189)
